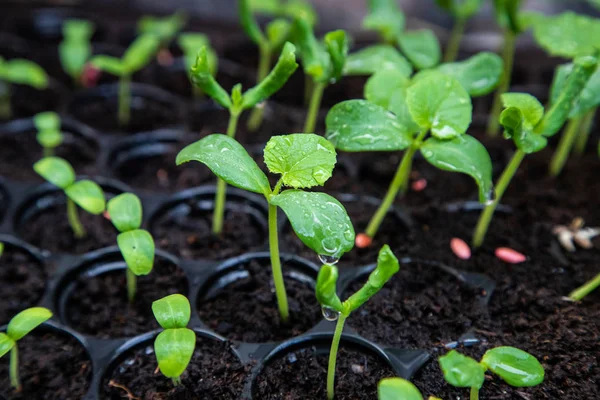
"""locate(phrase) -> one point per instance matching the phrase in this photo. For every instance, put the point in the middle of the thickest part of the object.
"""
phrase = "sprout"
(326, 292)
(190, 42)
(174, 346)
(1, 248)
(236, 103)
(83, 193)
(303, 161)
(135, 58)
(21, 72)
(136, 245)
(49, 135)
(18, 327)
(76, 49)
(516, 367)
(397, 389)
(582, 291)
(461, 10)
(164, 29)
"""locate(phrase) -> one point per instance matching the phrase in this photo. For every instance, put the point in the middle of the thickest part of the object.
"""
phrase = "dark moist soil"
(51, 366)
(23, 277)
(98, 305)
(27, 101)
(246, 310)
(214, 373)
(302, 374)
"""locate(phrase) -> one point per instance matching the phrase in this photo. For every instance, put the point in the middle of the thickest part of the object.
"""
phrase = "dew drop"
(330, 314)
(490, 197)
(329, 260)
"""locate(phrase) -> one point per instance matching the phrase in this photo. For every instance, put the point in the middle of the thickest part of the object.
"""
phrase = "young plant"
(432, 103)
(49, 135)
(1, 248)
(326, 291)
(135, 58)
(582, 291)
(516, 367)
(18, 327)
(398, 389)
(136, 245)
(190, 42)
(236, 103)
(76, 48)
(83, 193)
(303, 160)
(526, 123)
(20, 72)
(461, 10)
(164, 29)
(175, 345)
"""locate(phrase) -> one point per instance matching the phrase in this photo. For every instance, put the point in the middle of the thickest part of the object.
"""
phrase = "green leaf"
(49, 138)
(23, 72)
(227, 159)
(1, 248)
(6, 344)
(56, 171)
(48, 126)
(87, 195)
(190, 43)
(379, 57)
(315, 59)
(78, 30)
(277, 32)
(386, 18)
(507, 15)
(532, 109)
(588, 99)
(109, 64)
(319, 220)
(140, 52)
(515, 127)
(397, 389)
(421, 47)
(172, 311)
(137, 248)
(249, 24)
(461, 371)
(460, 8)
(462, 154)
(517, 367)
(479, 74)
(285, 67)
(358, 125)
(299, 9)
(26, 321)
(74, 56)
(163, 28)
(269, 7)
(202, 76)
(336, 43)
(125, 212)
(326, 288)
(567, 35)
(174, 349)
(439, 103)
(303, 159)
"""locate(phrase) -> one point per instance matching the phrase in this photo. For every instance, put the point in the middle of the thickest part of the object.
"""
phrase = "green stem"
(308, 89)
(584, 131)
(335, 344)
(176, 381)
(280, 293)
(73, 217)
(486, 216)
(48, 152)
(131, 285)
(5, 106)
(455, 38)
(14, 368)
(256, 116)
(565, 145)
(313, 107)
(508, 54)
(586, 289)
(474, 394)
(124, 100)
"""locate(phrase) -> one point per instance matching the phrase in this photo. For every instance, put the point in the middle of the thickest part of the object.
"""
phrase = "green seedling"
(398, 389)
(303, 160)
(526, 123)
(1, 248)
(236, 103)
(20, 72)
(433, 103)
(582, 291)
(326, 292)
(190, 42)
(461, 10)
(137, 56)
(516, 367)
(323, 62)
(76, 49)
(83, 193)
(49, 135)
(18, 327)
(175, 345)
(162, 28)
(136, 245)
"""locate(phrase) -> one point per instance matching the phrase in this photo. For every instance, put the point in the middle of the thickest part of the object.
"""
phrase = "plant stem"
(131, 285)
(73, 217)
(455, 38)
(399, 181)
(256, 116)
(308, 89)
(280, 293)
(508, 54)
(474, 394)
(14, 368)
(335, 344)
(488, 212)
(584, 131)
(586, 289)
(564, 147)
(5, 106)
(176, 381)
(124, 100)
(48, 152)
(313, 107)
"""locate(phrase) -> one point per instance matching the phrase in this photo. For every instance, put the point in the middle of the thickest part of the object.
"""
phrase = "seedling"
(136, 245)
(175, 345)
(326, 291)
(135, 58)
(76, 49)
(398, 389)
(238, 102)
(1, 248)
(83, 193)
(516, 367)
(587, 288)
(303, 160)
(18, 327)
(49, 135)
(162, 28)
(21, 72)
(433, 103)
(190, 42)
(526, 123)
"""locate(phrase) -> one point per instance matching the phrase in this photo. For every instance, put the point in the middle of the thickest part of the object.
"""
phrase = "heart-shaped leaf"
(125, 212)
(567, 35)
(517, 367)
(87, 195)
(421, 47)
(26, 321)
(174, 349)
(479, 74)
(461, 371)
(376, 58)
(137, 248)
(172, 311)
(56, 171)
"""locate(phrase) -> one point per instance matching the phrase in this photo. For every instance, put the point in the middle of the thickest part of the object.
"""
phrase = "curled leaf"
(202, 76)
(326, 288)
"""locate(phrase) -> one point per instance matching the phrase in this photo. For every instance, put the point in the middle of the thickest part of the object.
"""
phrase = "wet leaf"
(174, 349)
(421, 47)
(385, 17)
(326, 288)
(336, 43)
(23, 72)
(517, 367)
(56, 171)
(87, 195)
(125, 212)
(461, 371)
(140, 52)
(172, 311)
(6, 344)
(521, 115)
(377, 58)
(26, 321)
(567, 35)
(588, 99)
(202, 76)
(137, 248)
(479, 74)
(397, 389)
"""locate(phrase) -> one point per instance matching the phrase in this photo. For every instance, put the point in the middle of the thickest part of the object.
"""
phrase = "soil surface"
(27, 101)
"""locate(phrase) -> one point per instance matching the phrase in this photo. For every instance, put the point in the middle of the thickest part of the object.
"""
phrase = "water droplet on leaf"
(330, 314)
(329, 260)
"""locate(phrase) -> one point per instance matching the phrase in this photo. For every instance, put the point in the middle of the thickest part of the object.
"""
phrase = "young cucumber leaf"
(336, 43)
(397, 389)
(137, 248)
(125, 212)
(462, 371)
(174, 349)
(227, 159)
(277, 32)
(517, 367)
(190, 43)
(202, 76)
(56, 171)
(588, 99)
(376, 58)
(87, 195)
(26, 321)
(521, 115)
(462, 154)
(421, 47)
(326, 288)
(386, 18)
(358, 125)
(507, 15)
(315, 59)
(479, 75)
(140, 52)
(567, 35)
(23, 72)
(249, 24)
(172, 311)
(6, 344)
(319, 220)
(304, 160)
